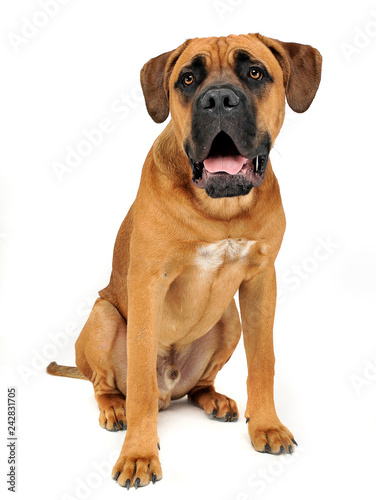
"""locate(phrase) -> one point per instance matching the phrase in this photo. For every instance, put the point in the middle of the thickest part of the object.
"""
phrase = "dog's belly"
(199, 296)
(179, 370)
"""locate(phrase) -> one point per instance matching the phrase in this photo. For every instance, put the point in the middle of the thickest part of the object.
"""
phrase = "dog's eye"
(255, 73)
(188, 79)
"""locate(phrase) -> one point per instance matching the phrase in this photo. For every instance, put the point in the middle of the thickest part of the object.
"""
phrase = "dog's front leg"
(257, 297)
(138, 463)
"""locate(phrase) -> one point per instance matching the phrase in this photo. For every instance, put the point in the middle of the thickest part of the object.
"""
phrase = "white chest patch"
(211, 256)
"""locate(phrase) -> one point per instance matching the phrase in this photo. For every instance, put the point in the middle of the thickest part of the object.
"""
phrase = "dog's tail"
(65, 371)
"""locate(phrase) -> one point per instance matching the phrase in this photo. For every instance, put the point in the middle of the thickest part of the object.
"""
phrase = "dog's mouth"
(226, 172)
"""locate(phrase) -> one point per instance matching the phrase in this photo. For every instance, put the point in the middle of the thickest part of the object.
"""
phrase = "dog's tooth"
(256, 169)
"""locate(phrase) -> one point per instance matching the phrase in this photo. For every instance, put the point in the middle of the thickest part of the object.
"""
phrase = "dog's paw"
(134, 470)
(216, 405)
(272, 438)
(222, 408)
(112, 412)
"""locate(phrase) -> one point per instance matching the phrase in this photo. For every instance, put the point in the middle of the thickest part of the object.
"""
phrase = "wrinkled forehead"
(221, 53)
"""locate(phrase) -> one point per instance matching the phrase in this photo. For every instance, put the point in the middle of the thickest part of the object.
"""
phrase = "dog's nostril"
(227, 103)
(230, 100)
(210, 103)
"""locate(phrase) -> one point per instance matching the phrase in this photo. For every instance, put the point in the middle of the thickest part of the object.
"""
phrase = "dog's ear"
(301, 66)
(155, 76)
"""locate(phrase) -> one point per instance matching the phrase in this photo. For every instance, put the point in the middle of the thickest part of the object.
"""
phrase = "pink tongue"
(230, 164)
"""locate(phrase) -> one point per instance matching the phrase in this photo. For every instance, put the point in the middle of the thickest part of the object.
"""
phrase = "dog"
(207, 222)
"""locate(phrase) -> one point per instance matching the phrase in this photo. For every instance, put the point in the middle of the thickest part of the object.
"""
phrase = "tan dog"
(207, 221)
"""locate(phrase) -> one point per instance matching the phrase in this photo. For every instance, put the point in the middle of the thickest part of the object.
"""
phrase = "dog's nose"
(219, 99)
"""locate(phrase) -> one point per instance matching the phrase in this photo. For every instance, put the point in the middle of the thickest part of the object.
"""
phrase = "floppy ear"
(155, 76)
(301, 66)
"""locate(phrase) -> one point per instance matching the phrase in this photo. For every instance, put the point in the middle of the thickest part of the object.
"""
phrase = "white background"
(56, 242)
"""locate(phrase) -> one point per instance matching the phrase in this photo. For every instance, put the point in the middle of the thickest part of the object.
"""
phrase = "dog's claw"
(159, 446)
(283, 450)
(295, 443)
(116, 476)
(153, 477)
(114, 427)
(290, 449)
(235, 417)
(267, 448)
(214, 413)
(247, 420)
(128, 484)
(228, 415)
(137, 483)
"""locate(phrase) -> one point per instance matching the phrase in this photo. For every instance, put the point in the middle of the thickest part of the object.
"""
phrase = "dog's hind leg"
(204, 395)
(101, 355)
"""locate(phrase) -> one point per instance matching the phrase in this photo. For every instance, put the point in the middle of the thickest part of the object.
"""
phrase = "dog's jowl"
(207, 222)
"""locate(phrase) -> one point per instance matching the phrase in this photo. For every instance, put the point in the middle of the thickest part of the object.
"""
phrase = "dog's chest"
(200, 294)
(210, 257)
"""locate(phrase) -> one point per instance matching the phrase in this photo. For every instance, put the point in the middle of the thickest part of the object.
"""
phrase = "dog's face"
(227, 100)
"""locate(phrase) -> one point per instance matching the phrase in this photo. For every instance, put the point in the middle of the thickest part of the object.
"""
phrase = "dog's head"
(227, 100)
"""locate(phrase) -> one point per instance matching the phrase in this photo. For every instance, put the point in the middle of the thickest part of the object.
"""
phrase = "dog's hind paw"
(112, 412)
(216, 405)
